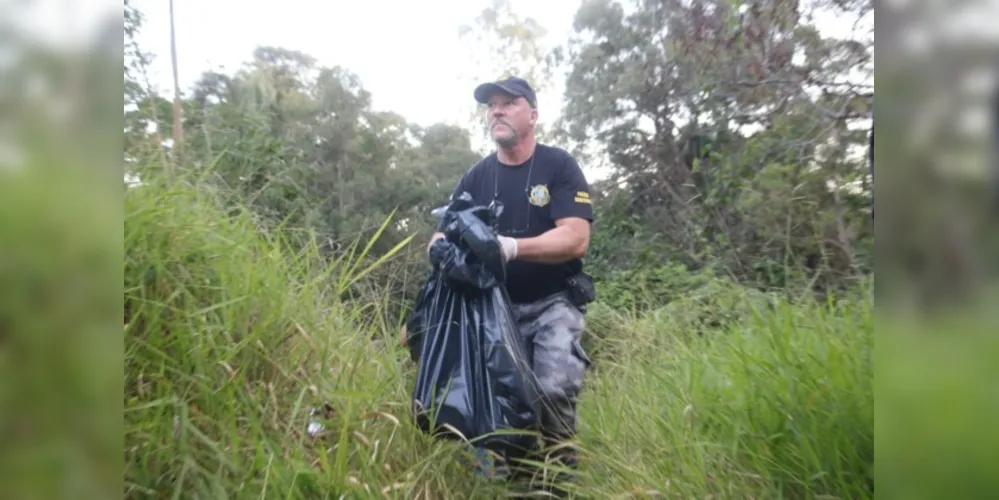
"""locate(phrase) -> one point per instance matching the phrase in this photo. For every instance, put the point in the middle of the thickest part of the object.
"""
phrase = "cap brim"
(482, 92)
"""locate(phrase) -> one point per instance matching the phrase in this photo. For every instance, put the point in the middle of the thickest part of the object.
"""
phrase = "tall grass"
(230, 340)
(779, 405)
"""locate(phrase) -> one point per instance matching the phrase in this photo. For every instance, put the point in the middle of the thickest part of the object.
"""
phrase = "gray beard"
(507, 141)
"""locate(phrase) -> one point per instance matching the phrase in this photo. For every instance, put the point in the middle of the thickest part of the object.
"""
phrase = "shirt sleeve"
(464, 184)
(571, 193)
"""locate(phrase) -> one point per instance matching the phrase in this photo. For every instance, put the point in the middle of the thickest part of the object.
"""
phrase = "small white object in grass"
(315, 428)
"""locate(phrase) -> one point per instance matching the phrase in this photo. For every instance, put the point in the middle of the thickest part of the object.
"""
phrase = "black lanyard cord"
(527, 187)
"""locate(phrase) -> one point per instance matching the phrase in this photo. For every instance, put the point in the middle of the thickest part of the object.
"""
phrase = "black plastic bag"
(473, 374)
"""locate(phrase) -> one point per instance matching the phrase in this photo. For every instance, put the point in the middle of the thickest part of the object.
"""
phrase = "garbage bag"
(473, 375)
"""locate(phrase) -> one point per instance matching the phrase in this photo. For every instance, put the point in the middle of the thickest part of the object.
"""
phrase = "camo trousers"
(552, 328)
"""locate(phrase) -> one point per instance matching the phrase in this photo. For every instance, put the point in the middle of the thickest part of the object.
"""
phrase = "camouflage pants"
(552, 328)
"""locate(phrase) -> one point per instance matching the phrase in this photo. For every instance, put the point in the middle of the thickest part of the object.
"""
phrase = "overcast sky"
(402, 50)
(407, 53)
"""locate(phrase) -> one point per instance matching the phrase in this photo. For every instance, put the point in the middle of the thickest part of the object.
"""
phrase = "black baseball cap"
(512, 85)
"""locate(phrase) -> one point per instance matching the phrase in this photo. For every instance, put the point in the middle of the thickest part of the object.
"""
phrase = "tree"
(774, 96)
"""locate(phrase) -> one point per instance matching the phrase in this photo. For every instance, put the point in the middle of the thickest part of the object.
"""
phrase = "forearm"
(555, 246)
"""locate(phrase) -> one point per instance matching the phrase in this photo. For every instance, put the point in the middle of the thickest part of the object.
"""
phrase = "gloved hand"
(509, 247)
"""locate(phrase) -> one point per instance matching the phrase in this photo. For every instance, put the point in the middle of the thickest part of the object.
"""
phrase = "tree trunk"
(178, 130)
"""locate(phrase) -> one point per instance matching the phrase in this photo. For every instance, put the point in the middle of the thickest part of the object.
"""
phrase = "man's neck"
(518, 153)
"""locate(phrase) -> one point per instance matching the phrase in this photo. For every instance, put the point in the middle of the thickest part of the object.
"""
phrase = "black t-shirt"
(546, 187)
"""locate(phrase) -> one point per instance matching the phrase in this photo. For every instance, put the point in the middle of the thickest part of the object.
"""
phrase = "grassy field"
(230, 340)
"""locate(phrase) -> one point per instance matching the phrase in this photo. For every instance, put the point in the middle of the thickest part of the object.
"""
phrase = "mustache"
(497, 121)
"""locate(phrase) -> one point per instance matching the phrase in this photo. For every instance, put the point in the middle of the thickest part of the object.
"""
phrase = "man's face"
(509, 118)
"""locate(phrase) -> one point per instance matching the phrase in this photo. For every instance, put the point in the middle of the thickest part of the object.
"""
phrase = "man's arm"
(572, 210)
(567, 241)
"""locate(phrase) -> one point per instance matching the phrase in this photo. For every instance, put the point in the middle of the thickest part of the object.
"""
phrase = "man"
(544, 232)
